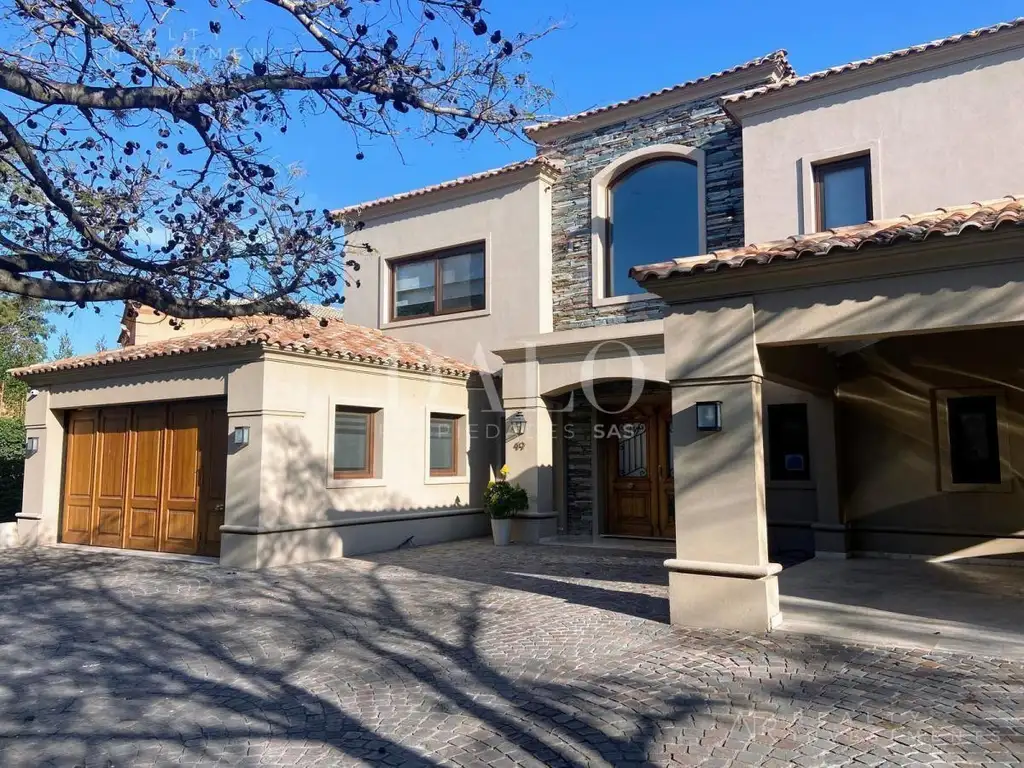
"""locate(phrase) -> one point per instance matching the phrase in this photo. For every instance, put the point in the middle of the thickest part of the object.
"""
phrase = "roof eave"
(415, 199)
(871, 261)
(773, 65)
(740, 105)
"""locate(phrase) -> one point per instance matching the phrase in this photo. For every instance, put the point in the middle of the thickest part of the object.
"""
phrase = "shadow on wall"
(157, 661)
(890, 463)
(296, 501)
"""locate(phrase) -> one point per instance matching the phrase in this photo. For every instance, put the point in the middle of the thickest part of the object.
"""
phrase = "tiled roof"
(545, 162)
(943, 222)
(778, 58)
(791, 81)
(337, 340)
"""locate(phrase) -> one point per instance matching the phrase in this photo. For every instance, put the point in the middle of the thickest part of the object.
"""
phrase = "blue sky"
(605, 51)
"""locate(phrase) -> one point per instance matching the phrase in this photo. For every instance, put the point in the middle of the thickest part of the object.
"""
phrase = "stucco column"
(239, 540)
(39, 518)
(721, 576)
(831, 538)
(530, 455)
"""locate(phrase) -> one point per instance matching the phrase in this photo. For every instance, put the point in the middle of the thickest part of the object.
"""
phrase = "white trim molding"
(808, 204)
(599, 187)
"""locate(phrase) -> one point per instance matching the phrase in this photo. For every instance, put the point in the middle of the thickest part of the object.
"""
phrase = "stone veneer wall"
(700, 124)
(578, 466)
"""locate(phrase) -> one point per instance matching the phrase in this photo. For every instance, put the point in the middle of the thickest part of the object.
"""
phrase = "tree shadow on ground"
(127, 660)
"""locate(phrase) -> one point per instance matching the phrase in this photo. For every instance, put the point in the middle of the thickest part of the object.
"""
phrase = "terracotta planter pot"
(501, 530)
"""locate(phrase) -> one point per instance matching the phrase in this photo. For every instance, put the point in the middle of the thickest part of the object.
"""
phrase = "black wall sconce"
(515, 425)
(31, 446)
(709, 416)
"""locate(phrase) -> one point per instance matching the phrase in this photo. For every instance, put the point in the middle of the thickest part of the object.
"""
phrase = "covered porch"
(904, 355)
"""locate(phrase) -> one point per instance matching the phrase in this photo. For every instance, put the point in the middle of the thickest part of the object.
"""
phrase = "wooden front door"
(150, 477)
(638, 463)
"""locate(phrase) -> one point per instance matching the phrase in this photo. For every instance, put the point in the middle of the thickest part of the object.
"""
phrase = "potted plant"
(502, 500)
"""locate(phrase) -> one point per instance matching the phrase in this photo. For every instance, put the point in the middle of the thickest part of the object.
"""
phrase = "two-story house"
(754, 314)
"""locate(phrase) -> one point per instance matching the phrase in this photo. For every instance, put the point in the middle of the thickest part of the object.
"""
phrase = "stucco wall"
(700, 124)
(938, 136)
(514, 222)
(148, 326)
(299, 396)
(890, 490)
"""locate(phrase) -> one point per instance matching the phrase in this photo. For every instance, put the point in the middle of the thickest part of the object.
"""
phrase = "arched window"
(654, 214)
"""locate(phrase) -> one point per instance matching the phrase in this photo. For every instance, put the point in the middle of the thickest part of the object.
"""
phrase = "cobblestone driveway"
(457, 654)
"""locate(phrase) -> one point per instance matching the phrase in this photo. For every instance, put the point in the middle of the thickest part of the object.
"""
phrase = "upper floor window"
(842, 191)
(653, 215)
(438, 283)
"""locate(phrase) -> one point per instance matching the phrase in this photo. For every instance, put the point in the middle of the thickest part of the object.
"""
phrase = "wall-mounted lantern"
(709, 416)
(31, 446)
(515, 425)
(240, 437)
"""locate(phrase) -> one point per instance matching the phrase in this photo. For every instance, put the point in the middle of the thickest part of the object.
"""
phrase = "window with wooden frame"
(439, 283)
(355, 438)
(842, 192)
(444, 445)
(974, 440)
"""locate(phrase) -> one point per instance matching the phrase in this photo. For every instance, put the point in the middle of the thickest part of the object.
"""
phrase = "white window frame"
(461, 477)
(808, 202)
(946, 484)
(380, 457)
(599, 188)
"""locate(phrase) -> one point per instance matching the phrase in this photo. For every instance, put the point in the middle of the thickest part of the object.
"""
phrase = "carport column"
(721, 576)
(831, 538)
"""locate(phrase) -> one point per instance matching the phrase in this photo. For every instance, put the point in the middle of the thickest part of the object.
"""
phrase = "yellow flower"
(503, 471)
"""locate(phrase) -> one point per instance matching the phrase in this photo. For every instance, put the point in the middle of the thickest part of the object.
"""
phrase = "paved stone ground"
(458, 654)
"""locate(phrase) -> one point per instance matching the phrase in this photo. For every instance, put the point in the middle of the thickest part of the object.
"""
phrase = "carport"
(902, 334)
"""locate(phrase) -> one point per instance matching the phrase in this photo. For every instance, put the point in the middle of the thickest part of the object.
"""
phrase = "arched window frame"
(600, 198)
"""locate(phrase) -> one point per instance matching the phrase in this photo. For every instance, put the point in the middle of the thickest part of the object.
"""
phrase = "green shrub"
(502, 499)
(12, 467)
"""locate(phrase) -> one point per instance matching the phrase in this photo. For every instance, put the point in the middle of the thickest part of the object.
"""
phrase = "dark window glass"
(843, 191)
(444, 445)
(653, 215)
(353, 442)
(973, 439)
(450, 281)
(788, 442)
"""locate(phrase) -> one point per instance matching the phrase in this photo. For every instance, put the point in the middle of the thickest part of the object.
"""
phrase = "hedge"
(12, 467)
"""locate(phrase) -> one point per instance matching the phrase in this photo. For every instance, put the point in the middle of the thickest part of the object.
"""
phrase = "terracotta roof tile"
(337, 340)
(792, 80)
(778, 58)
(943, 222)
(543, 162)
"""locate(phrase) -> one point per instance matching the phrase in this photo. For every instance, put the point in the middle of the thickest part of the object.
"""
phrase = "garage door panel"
(181, 500)
(150, 477)
(146, 475)
(79, 477)
(112, 478)
(77, 524)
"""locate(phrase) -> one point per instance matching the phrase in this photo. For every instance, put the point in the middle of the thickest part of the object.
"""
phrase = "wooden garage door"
(146, 477)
